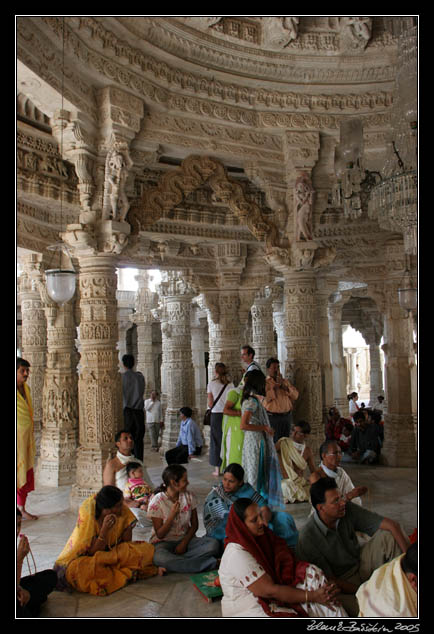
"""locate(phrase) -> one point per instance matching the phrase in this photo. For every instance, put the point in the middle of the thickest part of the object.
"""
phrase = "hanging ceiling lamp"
(407, 292)
(61, 281)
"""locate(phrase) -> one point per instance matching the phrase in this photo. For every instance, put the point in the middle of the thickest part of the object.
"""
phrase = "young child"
(345, 437)
(136, 488)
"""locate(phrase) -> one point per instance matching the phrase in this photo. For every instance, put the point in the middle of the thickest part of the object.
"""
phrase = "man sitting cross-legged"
(115, 473)
(328, 540)
(294, 457)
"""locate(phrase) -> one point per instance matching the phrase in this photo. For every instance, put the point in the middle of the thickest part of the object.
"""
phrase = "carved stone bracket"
(194, 172)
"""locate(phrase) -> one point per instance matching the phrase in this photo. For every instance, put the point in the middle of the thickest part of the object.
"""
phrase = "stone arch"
(194, 172)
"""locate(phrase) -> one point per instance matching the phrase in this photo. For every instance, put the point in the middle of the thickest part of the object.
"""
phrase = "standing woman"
(259, 461)
(217, 391)
(232, 436)
(26, 448)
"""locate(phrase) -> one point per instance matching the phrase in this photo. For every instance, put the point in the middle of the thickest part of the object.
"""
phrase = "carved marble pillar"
(339, 366)
(198, 348)
(302, 365)
(146, 301)
(177, 371)
(99, 148)
(352, 374)
(121, 346)
(225, 335)
(125, 304)
(59, 439)
(34, 333)
(279, 327)
(324, 288)
(400, 422)
(375, 370)
(263, 340)
(100, 393)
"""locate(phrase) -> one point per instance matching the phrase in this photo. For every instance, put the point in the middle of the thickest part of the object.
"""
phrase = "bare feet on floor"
(28, 516)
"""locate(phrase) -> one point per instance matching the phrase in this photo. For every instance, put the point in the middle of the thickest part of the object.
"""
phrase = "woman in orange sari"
(100, 556)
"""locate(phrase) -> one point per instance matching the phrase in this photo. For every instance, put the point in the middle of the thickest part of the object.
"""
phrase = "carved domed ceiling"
(260, 96)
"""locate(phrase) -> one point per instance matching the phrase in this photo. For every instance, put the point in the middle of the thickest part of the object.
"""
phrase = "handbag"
(207, 417)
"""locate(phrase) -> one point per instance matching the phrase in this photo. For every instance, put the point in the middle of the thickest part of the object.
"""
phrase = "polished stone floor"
(392, 493)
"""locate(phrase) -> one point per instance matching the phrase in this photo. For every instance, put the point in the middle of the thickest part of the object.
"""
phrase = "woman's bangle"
(306, 600)
(101, 538)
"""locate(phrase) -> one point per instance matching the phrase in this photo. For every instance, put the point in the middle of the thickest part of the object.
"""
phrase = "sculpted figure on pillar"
(97, 240)
(303, 206)
(116, 204)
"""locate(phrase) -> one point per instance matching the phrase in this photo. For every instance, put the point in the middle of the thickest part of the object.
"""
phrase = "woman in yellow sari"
(100, 556)
(25, 439)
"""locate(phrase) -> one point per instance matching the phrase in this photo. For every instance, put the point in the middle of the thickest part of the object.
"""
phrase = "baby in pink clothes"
(136, 488)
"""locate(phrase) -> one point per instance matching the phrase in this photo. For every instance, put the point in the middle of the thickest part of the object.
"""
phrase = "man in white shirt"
(154, 418)
(248, 362)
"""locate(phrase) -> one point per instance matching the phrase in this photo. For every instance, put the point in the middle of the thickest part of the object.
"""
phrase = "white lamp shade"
(60, 285)
(407, 298)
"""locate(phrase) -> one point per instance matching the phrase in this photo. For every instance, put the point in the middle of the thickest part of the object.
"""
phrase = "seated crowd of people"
(345, 561)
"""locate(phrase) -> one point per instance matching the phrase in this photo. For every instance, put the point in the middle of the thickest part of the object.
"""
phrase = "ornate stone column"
(146, 301)
(324, 289)
(198, 348)
(352, 359)
(339, 366)
(123, 326)
(225, 334)
(34, 333)
(262, 326)
(375, 371)
(279, 327)
(177, 371)
(57, 463)
(99, 148)
(302, 365)
(400, 422)
(100, 394)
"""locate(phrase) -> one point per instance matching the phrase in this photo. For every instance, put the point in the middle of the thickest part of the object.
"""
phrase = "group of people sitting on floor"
(345, 561)
(266, 566)
(361, 437)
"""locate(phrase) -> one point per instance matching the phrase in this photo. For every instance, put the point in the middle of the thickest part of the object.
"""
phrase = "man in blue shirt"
(189, 442)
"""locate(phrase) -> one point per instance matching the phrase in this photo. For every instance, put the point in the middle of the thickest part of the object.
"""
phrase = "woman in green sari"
(232, 436)
(220, 499)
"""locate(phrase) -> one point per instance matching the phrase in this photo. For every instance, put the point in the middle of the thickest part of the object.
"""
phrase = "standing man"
(247, 360)
(279, 400)
(26, 448)
(154, 418)
(133, 388)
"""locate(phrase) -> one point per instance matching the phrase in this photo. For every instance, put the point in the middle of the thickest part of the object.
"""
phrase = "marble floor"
(392, 493)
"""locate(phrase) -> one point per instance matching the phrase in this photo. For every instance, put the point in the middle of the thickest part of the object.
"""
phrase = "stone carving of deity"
(356, 31)
(116, 201)
(303, 206)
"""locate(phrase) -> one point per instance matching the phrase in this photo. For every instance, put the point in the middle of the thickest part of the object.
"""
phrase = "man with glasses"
(331, 455)
(328, 540)
(294, 457)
